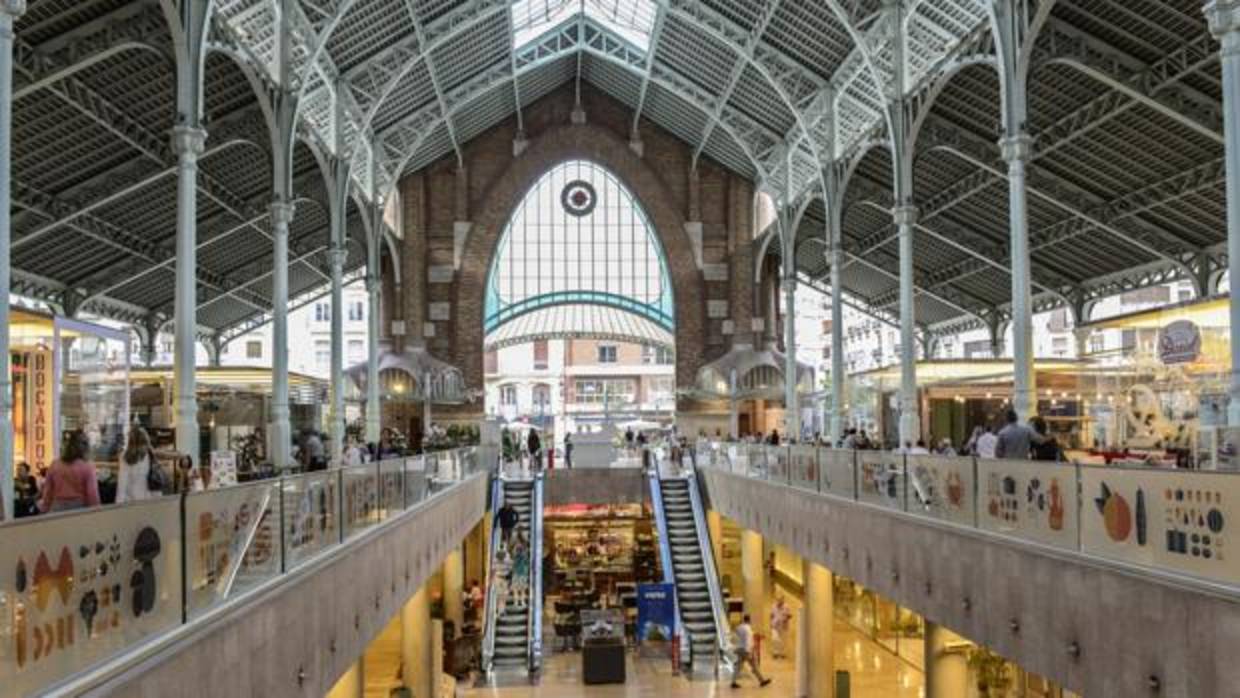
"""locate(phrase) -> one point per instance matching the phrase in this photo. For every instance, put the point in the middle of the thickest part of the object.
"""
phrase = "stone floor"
(875, 673)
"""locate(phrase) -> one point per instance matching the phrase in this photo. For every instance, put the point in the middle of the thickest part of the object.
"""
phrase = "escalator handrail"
(536, 580)
(488, 636)
(722, 630)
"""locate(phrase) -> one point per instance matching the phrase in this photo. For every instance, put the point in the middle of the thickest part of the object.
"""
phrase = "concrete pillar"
(910, 424)
(938, 681)
(352, 684)
(1224, 18)
(416, 644)
(475, 554)
(819, 630)
(336, 257)
(1016, 149)
(792, 406)
(10, 10)
(426, 406)
(753, 576)
(714, 527)
(280, 430)
(453, 587)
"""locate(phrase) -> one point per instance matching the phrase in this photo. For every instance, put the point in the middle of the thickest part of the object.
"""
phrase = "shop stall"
(67, 374)
(234, 407)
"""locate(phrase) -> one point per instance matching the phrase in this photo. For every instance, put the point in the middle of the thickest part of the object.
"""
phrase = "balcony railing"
(1180, 522)
(81, 587)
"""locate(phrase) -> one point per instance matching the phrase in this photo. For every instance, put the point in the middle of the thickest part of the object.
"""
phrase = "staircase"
(693, 576)
(512, 630)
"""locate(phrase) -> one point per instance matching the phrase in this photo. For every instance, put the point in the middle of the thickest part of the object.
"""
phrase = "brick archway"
(504, 194)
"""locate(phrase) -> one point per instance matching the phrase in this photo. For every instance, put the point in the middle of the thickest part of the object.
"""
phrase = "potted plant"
(991, 672)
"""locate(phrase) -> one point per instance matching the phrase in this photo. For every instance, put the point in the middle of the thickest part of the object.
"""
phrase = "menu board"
(1172, 519)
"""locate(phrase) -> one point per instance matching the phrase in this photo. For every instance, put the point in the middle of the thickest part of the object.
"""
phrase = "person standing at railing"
(71, 482)
(25, 492)
(1048, 449)
(352, 452)
(140, 474)
(1016, 440)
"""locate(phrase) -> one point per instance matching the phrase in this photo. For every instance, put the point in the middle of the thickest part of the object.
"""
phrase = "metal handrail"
(488, 636)
(722, 629)
(536, 580)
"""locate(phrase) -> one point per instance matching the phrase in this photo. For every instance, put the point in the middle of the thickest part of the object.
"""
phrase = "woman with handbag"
(141, 476)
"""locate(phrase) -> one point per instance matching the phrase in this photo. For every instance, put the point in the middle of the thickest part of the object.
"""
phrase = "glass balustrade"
(1169, 520)
(80, 587)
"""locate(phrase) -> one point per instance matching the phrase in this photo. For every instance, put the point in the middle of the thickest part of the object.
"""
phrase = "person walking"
(568, 451)
(508, 518)
(72, 482)
(141, 476)
(534, 445)
(1016, 440)
(25, 492)
(744, 653)
(781, 623)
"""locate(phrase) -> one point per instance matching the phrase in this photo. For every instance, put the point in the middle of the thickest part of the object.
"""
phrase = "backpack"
(156, 479)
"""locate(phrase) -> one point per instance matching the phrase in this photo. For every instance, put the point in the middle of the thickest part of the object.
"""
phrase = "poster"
(1034, 500)
(1171, 519)
(79, 587)
(223, 468)
(656, 612)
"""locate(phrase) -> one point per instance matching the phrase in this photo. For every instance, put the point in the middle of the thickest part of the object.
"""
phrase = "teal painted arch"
(605, 252)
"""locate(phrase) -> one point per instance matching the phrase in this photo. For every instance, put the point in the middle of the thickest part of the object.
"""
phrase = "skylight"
(631, 20)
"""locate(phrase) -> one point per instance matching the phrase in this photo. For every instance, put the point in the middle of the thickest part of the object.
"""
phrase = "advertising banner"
(1172, 519)
(656, 612)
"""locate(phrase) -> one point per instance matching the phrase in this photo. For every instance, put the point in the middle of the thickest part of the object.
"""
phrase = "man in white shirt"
(744, 653)
(986, 444)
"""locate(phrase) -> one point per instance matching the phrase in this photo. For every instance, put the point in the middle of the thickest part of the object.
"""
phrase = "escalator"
(512, 641)
(685, 543)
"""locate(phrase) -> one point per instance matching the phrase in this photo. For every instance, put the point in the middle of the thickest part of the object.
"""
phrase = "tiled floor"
(875, 673)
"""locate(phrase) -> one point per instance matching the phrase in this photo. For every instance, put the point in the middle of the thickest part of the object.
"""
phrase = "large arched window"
(579, 244)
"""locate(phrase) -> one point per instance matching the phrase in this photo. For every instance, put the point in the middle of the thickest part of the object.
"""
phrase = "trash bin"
(843, 685)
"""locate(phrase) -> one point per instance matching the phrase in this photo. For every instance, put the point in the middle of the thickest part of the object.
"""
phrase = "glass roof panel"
(631, 20)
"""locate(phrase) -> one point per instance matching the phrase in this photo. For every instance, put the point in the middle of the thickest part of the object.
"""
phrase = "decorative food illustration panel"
(942, 487)
(361, 498)
(1172, 519)
(233, 540)
(777, 463)
(804, 463)
(837, 471)
(77, 588)
(880, 478)
(757, 460)
(1035, 500)
(311, 516)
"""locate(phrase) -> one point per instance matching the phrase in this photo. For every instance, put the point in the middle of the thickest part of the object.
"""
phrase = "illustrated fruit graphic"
(1116, 514)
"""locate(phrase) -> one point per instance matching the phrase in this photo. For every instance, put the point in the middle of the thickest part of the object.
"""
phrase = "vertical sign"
(40, 431)
(656, 612)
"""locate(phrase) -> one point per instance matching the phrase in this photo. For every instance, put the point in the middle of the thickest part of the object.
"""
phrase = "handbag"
(156, 479)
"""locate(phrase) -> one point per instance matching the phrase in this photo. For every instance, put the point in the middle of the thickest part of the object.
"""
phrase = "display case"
(602, 646)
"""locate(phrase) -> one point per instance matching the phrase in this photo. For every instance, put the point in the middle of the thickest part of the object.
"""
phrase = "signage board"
(1179, 343)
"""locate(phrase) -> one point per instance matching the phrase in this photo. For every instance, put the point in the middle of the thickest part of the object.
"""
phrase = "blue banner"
(656, 612)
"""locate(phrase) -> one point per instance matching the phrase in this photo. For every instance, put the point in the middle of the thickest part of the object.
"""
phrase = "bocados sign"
(1179, 343)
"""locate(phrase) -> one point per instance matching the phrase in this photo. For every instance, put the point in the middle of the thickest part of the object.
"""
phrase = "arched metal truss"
(775, 90)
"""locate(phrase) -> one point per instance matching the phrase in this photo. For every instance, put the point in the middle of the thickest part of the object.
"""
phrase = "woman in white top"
(136, 468)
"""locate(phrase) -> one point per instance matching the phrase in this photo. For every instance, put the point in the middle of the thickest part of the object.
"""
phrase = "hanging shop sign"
(656, 612)
(40, 432)
(1179, 343)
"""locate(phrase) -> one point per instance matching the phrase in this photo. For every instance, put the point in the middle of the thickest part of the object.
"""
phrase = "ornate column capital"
(187, 141)
(788, 284)
(13, 8)
(281, 215)
(905, 215)
(372, 284)
(1223, 17)
(1016, 148)
(337, 255)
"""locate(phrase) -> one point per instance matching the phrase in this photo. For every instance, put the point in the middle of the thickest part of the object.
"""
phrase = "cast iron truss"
(1124, 103)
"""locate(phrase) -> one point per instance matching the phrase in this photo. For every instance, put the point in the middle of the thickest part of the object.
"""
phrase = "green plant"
(991, 671)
